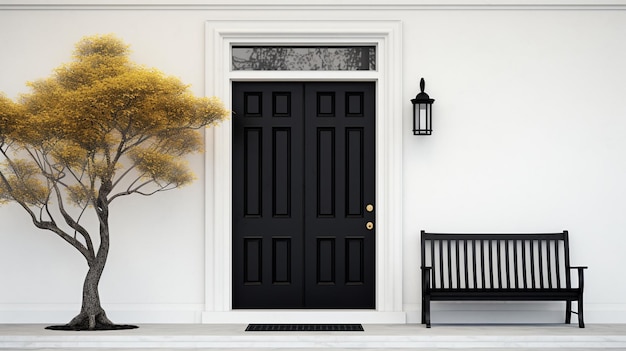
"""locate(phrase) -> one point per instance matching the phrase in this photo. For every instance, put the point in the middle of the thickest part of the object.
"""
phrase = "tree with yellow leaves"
(99, 128)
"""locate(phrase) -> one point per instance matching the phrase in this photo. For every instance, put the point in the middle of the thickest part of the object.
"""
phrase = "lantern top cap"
(422, 97)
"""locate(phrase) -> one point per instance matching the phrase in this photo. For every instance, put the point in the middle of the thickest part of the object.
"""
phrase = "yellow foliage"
(80, 195)
(69, 155)
(107, 45)
(102, 114)
(9, 112)
(24, 184)
(163, 168)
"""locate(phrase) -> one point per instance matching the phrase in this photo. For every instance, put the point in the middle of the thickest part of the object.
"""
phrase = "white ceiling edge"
(618, 4)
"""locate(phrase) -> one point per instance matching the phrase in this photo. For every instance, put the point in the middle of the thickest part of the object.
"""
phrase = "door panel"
(303, 173)
(267, 185)
(339, 178)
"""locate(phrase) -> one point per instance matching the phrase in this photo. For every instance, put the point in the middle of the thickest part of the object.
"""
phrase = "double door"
(303, 195)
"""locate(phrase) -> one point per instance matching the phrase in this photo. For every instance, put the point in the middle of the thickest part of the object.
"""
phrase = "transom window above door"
(303, 58)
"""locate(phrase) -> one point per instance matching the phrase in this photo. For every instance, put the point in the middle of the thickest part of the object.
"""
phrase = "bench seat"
(503, 294)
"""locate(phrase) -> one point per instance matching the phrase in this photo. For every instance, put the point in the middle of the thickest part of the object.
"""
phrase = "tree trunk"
(92, 315)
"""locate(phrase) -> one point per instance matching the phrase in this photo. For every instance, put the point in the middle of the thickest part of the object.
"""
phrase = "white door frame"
(386, 35)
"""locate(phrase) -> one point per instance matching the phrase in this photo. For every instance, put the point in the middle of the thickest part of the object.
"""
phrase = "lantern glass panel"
(423, 116)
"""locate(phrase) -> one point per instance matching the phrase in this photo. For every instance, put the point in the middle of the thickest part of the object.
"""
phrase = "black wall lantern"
(422, 112)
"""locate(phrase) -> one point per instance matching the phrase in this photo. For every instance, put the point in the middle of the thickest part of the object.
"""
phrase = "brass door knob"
(369, 208)
(369, 225)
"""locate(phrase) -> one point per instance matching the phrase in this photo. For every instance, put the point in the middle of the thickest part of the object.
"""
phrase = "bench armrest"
(581, 275)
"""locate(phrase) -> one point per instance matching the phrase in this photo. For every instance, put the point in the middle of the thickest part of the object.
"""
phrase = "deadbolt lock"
(369, 225)
(369, 208)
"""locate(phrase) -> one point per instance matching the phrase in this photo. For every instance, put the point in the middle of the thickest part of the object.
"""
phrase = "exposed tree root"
(85, 321)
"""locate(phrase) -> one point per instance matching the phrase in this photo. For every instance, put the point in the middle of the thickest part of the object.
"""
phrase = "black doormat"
(304, 327)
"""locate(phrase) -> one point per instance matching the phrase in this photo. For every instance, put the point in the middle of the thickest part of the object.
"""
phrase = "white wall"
(155, 271)
(528, 126)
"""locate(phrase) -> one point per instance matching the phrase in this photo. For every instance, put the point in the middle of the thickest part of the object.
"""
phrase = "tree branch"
(131, 191)
(72, 223)
(49, 225)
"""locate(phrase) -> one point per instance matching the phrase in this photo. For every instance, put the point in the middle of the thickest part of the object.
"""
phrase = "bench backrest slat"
(503, 261)
(557, 261)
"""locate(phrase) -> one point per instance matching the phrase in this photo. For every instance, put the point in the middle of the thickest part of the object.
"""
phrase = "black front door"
(303, 195)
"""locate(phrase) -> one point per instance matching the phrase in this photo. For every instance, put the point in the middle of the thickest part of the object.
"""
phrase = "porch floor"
(381, 337)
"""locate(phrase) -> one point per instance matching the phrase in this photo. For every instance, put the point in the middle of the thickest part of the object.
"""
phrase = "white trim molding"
(387, 36)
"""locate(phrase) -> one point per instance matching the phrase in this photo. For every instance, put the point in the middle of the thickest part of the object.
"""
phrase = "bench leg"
(423, 310)
(426, 311)
(568, 312)
(581, 319)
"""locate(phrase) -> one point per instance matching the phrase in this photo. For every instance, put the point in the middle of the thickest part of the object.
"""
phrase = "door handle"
(369, 225)
(369, 208)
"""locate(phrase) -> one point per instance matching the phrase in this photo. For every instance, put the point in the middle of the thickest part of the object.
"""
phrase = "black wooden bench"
(501, 267)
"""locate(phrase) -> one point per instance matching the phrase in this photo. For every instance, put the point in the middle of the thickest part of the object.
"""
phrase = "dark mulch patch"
(98, 327)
